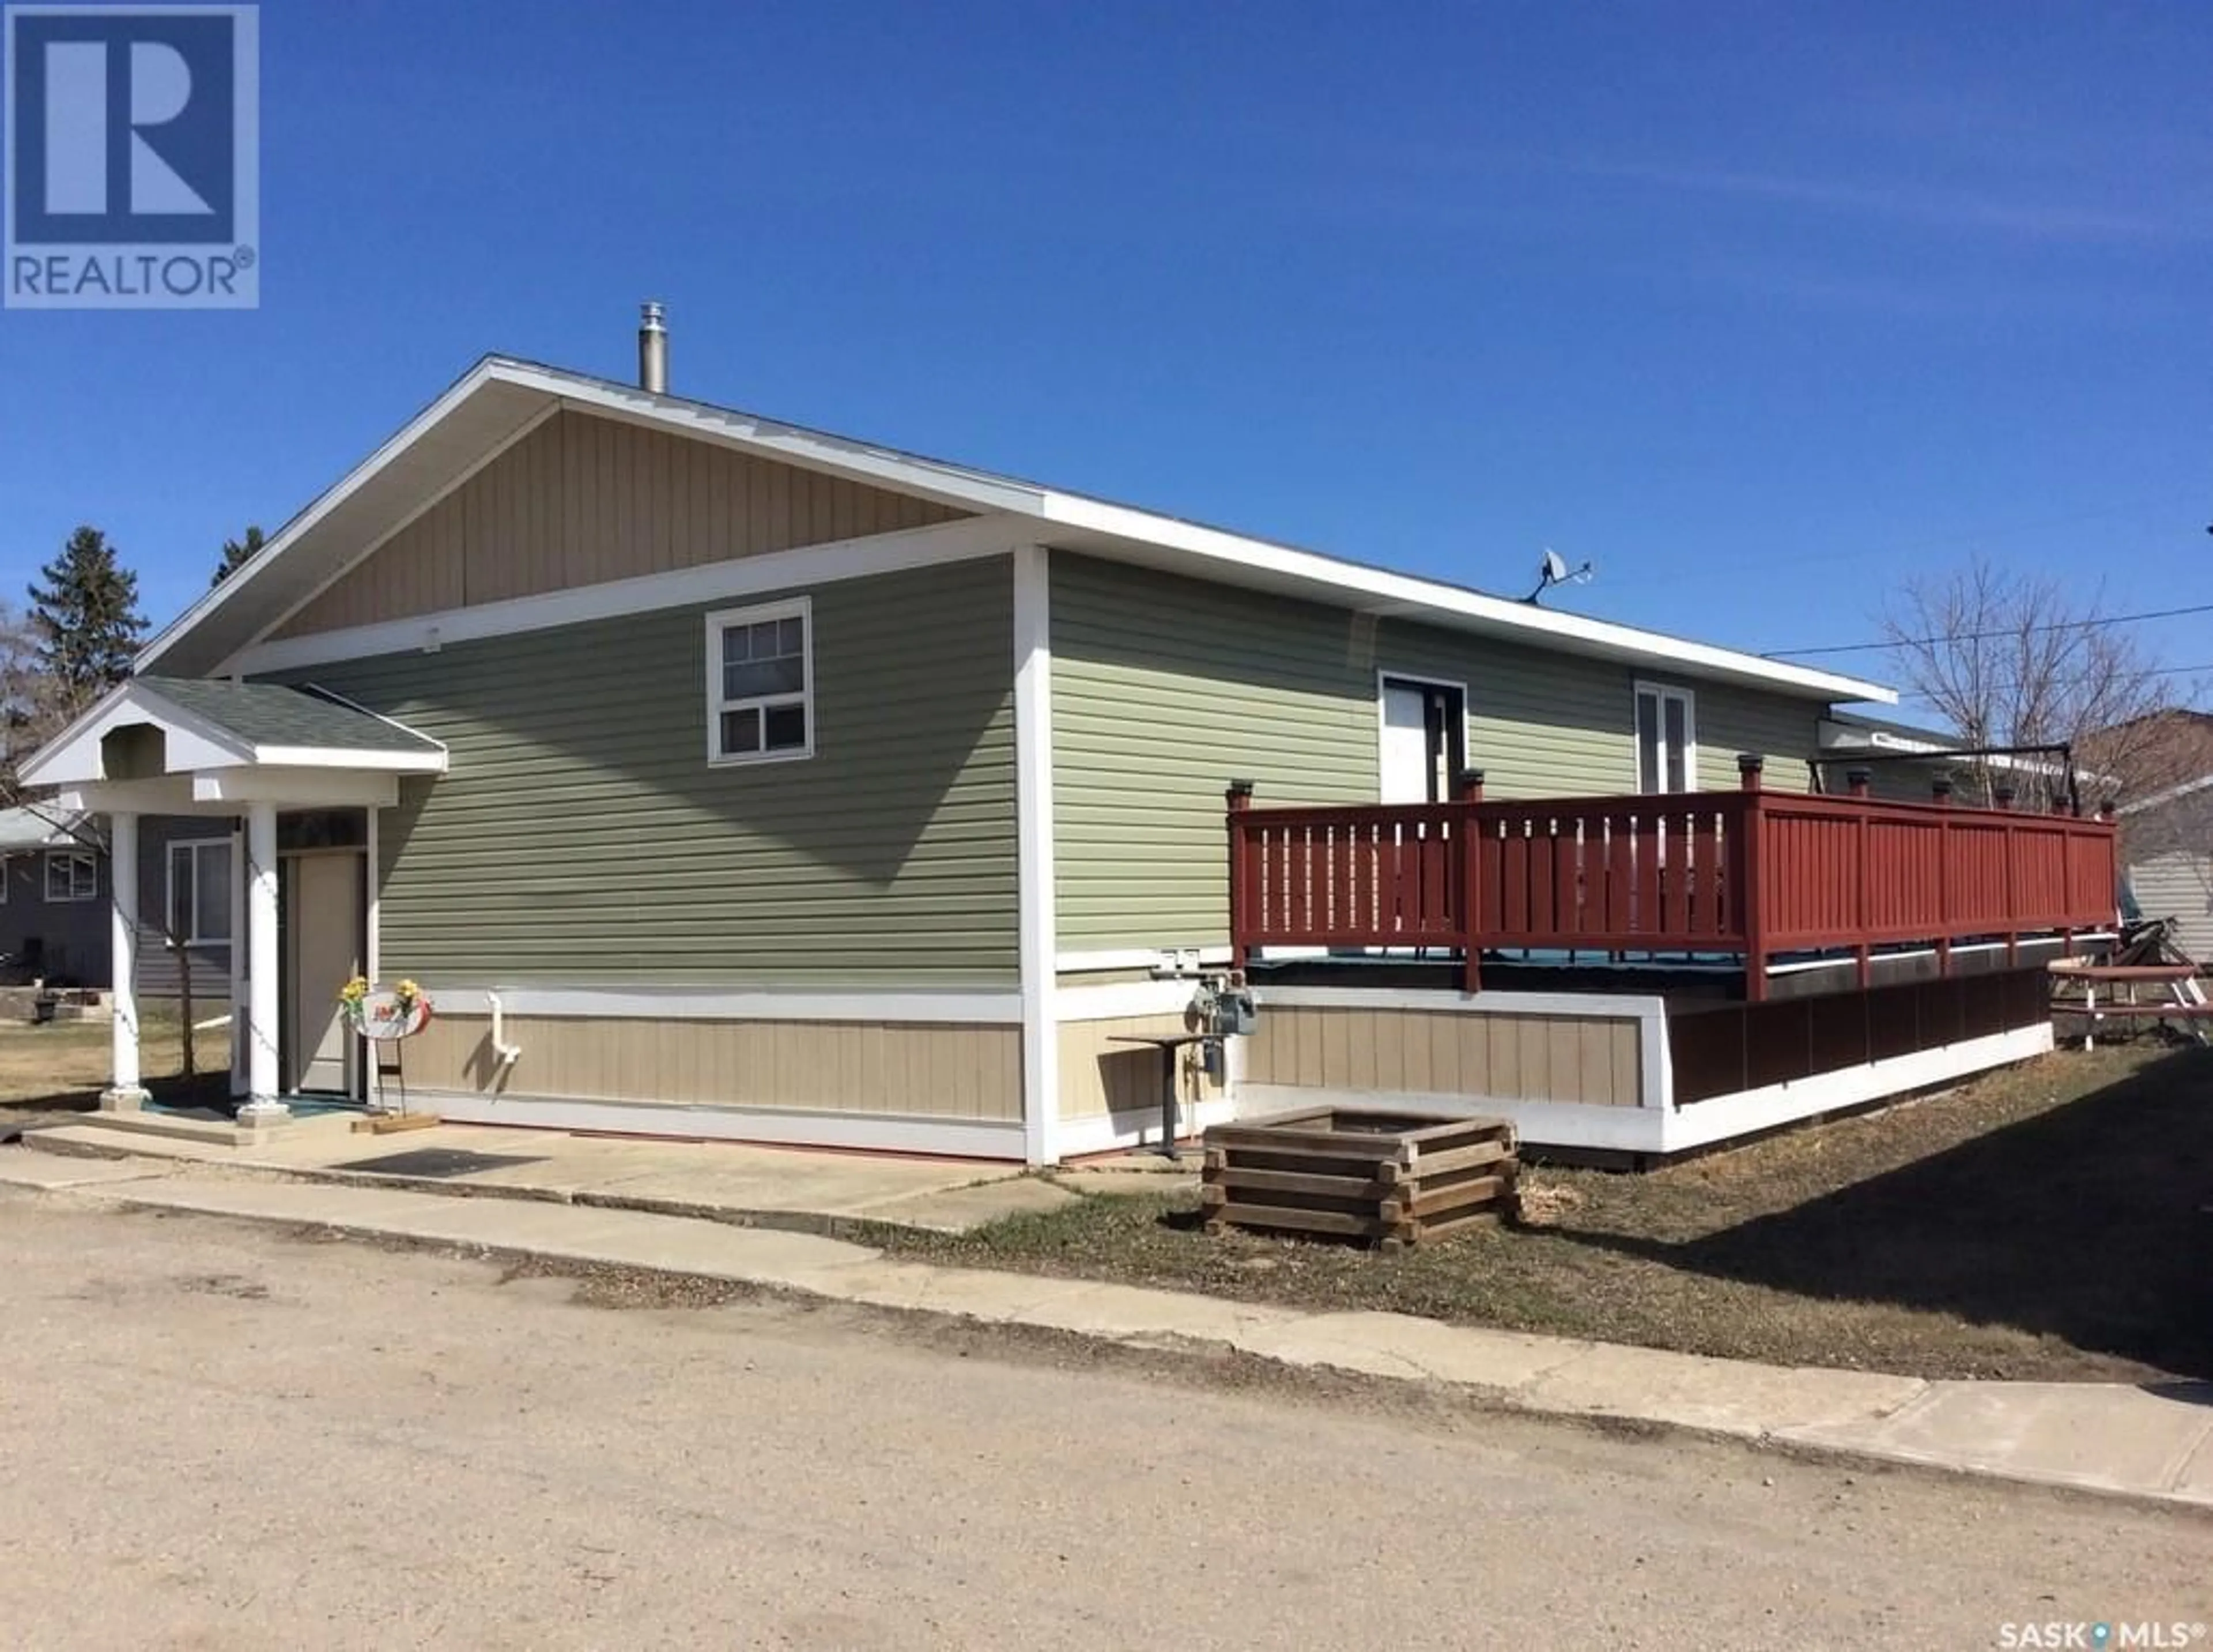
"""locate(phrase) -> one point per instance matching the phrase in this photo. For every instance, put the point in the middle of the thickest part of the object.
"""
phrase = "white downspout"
(508, 1054)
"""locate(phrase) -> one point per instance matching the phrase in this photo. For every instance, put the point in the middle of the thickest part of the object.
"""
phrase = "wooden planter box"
(1392, 1179)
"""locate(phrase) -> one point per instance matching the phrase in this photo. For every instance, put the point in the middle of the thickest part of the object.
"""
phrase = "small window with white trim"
(199, 892)
(71, 875)
(1666, 739)
(760, 683)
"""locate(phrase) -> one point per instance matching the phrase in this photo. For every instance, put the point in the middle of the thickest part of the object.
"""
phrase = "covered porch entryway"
(299, 777)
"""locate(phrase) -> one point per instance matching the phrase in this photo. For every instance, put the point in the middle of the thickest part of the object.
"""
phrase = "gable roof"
(27, 827)
(215, 723)
(2158, 799)
(500, 399)
(270, 714)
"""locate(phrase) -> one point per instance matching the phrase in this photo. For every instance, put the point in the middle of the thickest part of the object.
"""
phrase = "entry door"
(324, 901)
(1423, 738)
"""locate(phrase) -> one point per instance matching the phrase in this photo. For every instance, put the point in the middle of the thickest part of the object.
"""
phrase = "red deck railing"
(1753, 872)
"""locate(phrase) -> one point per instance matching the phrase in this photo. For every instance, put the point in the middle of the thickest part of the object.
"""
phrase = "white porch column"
(237, 961)
(124, 1092)
(262, 1105)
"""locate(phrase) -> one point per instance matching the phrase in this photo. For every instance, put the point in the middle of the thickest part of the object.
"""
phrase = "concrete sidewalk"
(811, 1190)
(2109, 1438)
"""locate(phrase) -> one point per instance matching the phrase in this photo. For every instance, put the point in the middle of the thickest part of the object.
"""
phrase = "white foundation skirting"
(961, 1139)
(1106, 1132)
(1664, 1130)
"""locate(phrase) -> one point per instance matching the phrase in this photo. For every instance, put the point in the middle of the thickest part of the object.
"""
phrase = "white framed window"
(1666, 739)
(760, 683)
(71, 875)
(199, 891)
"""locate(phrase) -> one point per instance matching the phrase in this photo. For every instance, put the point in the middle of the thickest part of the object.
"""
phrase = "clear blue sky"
(1758, 307)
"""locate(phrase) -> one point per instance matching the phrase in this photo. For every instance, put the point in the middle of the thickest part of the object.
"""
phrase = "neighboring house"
(56, 918)
(53, 899)
(1905, 763)
(2166, 835)
(721, 778)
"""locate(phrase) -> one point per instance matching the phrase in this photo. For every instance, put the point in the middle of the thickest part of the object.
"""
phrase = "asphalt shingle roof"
(271, 714)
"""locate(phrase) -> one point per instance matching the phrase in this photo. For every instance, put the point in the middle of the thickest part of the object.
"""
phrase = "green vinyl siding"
(1733, 720)
(580, 836)
(1166, 688)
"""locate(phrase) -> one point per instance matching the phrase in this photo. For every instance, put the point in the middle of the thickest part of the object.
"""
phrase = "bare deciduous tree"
(2014, 659)
(33, 708)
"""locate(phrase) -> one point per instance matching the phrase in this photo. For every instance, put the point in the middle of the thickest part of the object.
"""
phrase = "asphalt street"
(218, 1435)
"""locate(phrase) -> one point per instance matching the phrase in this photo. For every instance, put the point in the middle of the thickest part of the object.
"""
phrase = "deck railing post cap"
(1941, 785)
(1859, 779)
(1471, 783)
(2108, 808)
(1241, 792)
(2003, 796)
(1750, 762)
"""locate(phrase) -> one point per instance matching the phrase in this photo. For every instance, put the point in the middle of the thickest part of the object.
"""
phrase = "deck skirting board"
(1662, 1130)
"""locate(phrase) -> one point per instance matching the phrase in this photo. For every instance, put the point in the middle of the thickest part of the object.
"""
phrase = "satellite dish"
(1554, 571)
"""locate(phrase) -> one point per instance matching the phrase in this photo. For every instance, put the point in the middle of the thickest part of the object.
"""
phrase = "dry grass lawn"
(2051, 1222)
(61, 1068)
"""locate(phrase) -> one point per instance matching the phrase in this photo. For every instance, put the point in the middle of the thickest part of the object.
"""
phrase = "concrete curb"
(2113, 1440)
(862, 1228)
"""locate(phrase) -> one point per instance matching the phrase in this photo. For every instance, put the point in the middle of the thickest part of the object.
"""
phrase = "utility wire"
(1992, 635)
(2075, 682)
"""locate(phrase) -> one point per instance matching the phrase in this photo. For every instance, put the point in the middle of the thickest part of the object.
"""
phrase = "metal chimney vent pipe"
(652, 348)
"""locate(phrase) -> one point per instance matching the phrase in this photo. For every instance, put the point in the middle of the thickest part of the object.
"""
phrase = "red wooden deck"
(1751, 873)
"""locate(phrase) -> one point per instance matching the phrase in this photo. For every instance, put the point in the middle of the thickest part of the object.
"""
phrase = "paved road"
(214, 1436)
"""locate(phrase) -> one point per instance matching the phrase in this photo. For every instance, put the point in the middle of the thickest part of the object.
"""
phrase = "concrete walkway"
(812, 1190)
(2108, 1438)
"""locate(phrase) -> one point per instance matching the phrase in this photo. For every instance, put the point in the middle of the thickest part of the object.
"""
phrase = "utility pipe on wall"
(508, 1054)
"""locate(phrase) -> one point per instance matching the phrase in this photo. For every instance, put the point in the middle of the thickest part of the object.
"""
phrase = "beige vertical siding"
(582, 500)
(2180, 884)
(1593, 1059)
(1099, 1076)
(1166, 688)
(914, 1068)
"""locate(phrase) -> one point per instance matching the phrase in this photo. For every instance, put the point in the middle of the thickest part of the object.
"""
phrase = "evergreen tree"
(235, 553)
(86, 620)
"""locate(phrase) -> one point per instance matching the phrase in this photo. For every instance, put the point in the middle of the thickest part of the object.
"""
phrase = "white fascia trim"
(1621, 1006)
(981, 492)
(904, 1006)
(1699, 1123)
(1379, 586)
(1545, 1124)
(128, 701)
(1106, 1132)
(1112, 1001)
(1036, 894)
(1078, 963)
(297, 788)
(778, 571)
(357, 762)
(399, 442)
(950, 1138)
